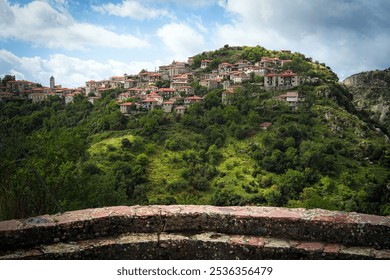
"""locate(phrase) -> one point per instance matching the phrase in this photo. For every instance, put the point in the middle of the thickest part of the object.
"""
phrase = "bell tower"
(52, 82)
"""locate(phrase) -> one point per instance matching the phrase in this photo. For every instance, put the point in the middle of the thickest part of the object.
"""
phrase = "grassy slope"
(237, 166)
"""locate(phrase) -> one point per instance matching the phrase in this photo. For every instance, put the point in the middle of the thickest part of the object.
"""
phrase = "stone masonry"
(197, 232)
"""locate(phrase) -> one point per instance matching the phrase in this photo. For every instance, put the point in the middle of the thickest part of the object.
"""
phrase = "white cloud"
(133, 9)
(68, 71)
(181, 39)
(193, 3)
(43, 26)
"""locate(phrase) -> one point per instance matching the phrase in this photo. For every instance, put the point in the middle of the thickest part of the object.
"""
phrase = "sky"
(77, 41)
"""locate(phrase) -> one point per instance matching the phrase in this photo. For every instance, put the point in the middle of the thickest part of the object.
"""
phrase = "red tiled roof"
(127, 104)
(265, 124)
(149, 100)
(287, 73)
(166, 89)
(194, 98)
(153, 94)
(289, 94)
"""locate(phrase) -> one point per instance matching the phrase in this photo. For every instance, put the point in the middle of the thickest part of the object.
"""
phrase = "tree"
(213, 99)
(226, 198)
(7, 78)
(275, 162)
(151, 122)
(291, 184)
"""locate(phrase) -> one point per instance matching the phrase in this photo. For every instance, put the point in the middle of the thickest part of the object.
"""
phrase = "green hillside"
(300, 63)
(324, 154)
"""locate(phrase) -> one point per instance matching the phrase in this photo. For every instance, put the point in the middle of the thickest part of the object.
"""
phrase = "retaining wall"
(197, 232)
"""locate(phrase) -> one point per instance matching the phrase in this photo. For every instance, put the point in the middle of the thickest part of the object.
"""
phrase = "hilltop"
(296, 62)
(287, 135)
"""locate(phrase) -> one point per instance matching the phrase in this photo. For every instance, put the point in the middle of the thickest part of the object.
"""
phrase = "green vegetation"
(56, 158)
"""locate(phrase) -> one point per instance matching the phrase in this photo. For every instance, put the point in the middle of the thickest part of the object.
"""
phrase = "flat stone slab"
(207, 245)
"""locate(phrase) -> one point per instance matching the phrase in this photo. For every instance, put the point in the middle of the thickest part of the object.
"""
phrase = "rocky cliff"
(371, 91)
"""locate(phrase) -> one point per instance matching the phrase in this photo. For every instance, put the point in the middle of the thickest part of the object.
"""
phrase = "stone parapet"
(261, 232)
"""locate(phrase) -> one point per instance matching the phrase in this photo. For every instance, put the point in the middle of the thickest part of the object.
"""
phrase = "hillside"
(255, 148)
(371, 91)
(299, 62)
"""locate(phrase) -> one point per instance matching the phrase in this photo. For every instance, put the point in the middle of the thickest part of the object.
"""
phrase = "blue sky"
(76, 41)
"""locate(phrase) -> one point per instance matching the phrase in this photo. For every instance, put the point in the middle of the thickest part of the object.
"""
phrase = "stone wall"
(197, 232)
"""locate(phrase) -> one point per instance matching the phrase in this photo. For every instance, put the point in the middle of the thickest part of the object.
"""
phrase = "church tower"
(52, 82)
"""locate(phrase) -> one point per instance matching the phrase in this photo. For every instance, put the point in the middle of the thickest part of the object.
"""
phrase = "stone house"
(187, 78)
(124, 96)
(259, 71)
(69, 98)
(180, 110)
(135, 91)
(177, 85)
(38, 96)
(225, 68)
(268, 62)
(166, 93)
(242, 64)
(227, 97)
(19, 86)
(209, 83)
(287, 79)
(149, 103)
(177, 99)
(187, 90)
(155, 77)
(90, 87)
(177, 68)
(239, 77)
(129, 83)
(142, 84)
(157, 97)
(4, 95)
(126, 107)
(205, 63)
(292, 98)
(192, 99)
(92, 99)
(167, 106)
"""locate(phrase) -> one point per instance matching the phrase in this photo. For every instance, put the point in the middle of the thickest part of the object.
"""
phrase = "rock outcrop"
(371, 92)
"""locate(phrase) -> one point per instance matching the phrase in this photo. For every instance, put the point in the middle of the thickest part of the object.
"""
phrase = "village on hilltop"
(171, 87)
